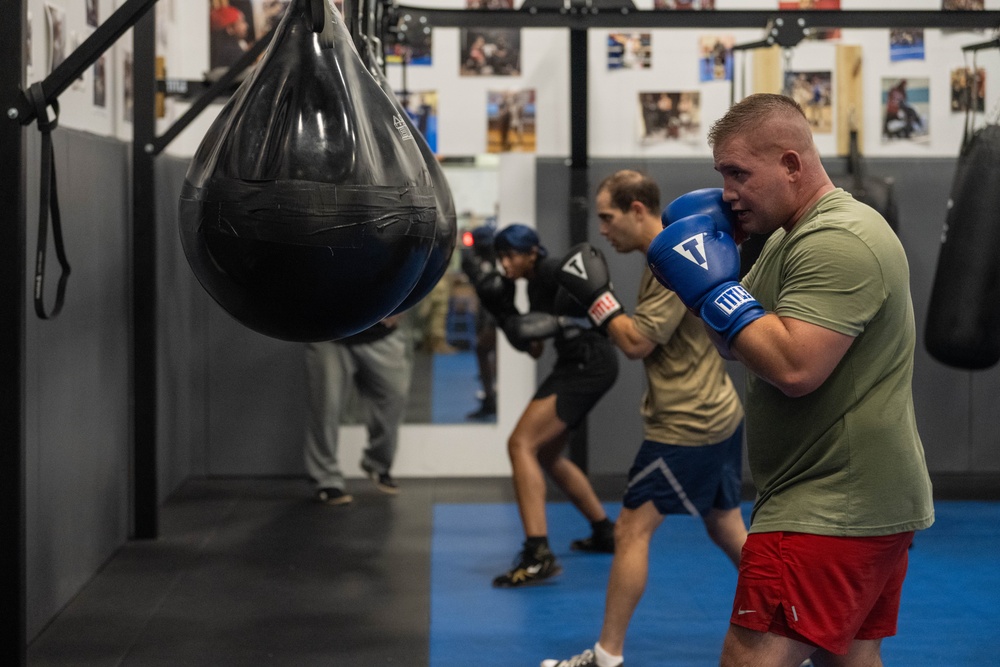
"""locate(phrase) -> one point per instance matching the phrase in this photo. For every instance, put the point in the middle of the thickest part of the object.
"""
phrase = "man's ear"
(637, 208)
(792, 162)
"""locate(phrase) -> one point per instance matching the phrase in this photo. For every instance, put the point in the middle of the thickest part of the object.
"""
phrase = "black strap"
(48, 198)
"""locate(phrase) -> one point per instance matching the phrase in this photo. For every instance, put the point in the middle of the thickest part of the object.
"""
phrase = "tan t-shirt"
(689, 397)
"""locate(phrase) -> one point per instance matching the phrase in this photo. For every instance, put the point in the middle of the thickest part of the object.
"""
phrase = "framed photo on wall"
(56, 20)
(510, 121)
(629, 50)
(968, 89)
(490, 52)
(814, 93)
(422, 108)
(669, 116)
(906, 107)
(906, 44)
(715, 61)
(101, 82)
(234, 26)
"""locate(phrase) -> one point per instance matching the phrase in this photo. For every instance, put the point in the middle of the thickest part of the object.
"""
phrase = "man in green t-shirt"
(691, 458)
(824, 324)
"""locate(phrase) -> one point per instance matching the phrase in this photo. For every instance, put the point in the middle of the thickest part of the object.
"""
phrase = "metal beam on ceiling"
(583, 18)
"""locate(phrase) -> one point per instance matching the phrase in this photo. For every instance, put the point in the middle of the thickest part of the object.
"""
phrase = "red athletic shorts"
(824, 591)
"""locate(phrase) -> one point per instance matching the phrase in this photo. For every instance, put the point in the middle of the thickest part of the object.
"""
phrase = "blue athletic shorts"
(687, 480)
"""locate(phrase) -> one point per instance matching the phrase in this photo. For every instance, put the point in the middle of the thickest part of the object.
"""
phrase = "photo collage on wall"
(968, 90)
(667, 116)
(906, 44)
(629, 50)
(28, 61)
(716, 58)
(422, 108)
(490, 52)
(963, 5)
(814, 93)
(234, 26)
(55, 22)
(905, 110)
(510, 121)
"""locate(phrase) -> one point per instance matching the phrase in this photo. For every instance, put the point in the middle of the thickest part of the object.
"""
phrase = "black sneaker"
(333, 496)
(383, 481)
(585, 659)
(487, 410)
(531, 568)
(597, 543)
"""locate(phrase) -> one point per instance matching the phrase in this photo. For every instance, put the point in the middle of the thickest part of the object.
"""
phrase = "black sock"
(603, 527)
(535, 544)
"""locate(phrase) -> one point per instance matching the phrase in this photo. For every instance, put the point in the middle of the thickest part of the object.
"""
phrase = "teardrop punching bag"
(963, 319)
(308, 212)
(446, 231)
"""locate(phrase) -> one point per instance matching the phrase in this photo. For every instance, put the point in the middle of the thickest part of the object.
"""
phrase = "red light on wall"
(467, 239)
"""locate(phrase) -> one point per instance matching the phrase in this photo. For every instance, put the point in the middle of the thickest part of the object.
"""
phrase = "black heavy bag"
(446, 230)
(963, 319)
(875, 191)
(308, 212)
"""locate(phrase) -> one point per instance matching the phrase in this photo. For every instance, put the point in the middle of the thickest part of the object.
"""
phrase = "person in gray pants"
(378, 363)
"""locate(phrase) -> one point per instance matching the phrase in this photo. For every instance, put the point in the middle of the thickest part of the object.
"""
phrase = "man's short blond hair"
(752, 113)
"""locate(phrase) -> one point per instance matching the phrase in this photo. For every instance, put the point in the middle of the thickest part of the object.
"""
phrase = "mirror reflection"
(453, 340)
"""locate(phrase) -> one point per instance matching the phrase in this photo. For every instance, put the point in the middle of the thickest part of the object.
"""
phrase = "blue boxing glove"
(707, 201)
(701, 264)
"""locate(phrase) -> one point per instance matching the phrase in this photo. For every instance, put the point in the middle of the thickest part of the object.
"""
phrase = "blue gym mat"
(455, 383)
(950, 613)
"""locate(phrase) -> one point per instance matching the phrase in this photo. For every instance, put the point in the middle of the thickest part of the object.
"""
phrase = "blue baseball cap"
(518, 238)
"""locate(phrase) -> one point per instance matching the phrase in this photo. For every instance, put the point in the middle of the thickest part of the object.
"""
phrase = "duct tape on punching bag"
(308, 212)
(963, 320)
(446, 230)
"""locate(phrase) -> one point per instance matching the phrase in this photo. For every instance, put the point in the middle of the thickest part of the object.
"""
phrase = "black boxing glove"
(496, 294)
(584, 274)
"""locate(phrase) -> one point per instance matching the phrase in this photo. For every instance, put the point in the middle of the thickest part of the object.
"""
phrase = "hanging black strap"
(48, 199)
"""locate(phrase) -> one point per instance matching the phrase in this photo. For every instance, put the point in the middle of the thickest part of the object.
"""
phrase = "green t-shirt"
(690, 399)
(845, 459)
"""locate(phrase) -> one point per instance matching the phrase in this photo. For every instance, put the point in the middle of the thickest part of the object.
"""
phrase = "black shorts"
(580, 377)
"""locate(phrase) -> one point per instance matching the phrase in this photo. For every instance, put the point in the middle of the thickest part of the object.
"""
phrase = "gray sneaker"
(383, 481)
(333, 496)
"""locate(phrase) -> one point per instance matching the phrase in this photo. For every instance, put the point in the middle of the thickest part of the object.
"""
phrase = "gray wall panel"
(255, 426)
(182, 394)
(216, 416)
(77, 401)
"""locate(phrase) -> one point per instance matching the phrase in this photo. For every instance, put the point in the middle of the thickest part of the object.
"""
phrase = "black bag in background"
(875, 191)
(963, 318)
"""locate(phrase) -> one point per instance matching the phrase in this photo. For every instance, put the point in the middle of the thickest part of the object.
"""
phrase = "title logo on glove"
(574, 266)
(693, 248)
(732, 298)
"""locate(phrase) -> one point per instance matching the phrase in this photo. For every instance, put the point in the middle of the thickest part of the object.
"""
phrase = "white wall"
(182, 40)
